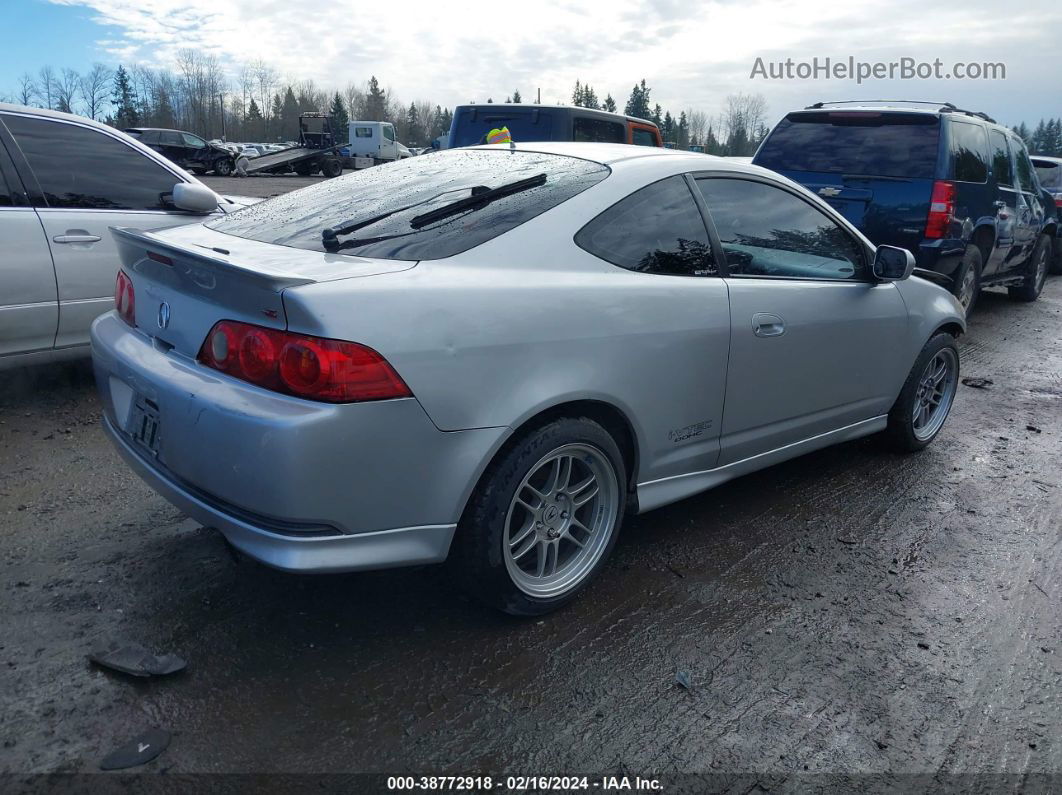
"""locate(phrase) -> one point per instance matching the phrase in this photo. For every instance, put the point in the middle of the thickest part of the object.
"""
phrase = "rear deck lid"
(186, 279)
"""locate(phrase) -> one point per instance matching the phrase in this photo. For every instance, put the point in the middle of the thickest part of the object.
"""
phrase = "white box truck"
(373, 142)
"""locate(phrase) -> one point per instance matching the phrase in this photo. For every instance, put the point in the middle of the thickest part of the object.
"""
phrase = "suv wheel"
(223, 166)
(925, 400)
(967, 285)
(543, 519)
(1036, 272)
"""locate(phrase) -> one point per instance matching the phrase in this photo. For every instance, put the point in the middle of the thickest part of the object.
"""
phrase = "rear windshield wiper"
(481, 197)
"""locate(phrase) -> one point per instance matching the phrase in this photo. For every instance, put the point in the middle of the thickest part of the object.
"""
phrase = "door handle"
(78, 238)
(767, 325)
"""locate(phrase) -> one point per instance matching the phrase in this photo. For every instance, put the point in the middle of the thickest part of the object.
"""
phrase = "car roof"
(944, 111)
(53, 114)
(510, 106)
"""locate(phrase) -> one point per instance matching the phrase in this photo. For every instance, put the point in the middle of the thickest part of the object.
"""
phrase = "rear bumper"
(296, 484)
(403, 546)
(942, 256)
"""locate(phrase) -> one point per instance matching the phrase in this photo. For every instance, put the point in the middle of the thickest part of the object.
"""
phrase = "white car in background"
(58, 260)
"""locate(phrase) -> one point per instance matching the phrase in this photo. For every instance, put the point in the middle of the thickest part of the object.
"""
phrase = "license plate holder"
(144, 425)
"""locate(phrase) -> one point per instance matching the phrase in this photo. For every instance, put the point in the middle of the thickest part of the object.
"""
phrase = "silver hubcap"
(560, 520)
(966, 291)
(936, 390)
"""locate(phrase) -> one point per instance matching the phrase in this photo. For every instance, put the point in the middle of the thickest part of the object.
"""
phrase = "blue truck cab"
(952, 186)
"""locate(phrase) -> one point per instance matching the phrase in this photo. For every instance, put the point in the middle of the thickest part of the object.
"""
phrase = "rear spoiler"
(135, 244)
(933, 276)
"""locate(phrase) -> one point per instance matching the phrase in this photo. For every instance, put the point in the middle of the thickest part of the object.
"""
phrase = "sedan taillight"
(124, 299)
(315, 368)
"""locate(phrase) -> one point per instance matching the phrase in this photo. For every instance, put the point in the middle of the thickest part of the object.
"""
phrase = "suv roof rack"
(942, 107)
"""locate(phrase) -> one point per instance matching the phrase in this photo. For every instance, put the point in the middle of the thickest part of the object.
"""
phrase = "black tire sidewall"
(971, 258)
(900, 430)
(477, 553)
(223, 165)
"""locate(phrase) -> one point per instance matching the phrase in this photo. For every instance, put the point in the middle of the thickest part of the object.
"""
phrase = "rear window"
(411, 188)
(854, 142)
(1050, 174)
(599, 131)
(470, 128)
(967, 152)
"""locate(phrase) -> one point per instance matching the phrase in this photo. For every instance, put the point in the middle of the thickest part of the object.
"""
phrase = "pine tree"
(276, 115)
(124, 99)
(577, 95)
(289, 116)
(638, 104)
(516, 97)
(255, 124)
(412, 125)
(609, 104)
(1022, 131)
(682, 133)
(1039, 138)
(340, 117)
(657, 116)
(590, 97)
(375, 101)
(667, 128)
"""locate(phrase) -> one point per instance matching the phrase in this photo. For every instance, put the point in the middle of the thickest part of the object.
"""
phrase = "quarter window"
(1025, 170)
(969, 159)
(1001, 166)
(766, 231)
(642, 137)
(657, 229)
(84, 168)
(598, 131)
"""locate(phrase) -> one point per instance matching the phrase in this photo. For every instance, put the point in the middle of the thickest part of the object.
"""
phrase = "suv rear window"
(471, 127)
(1050, 173)
(863, 143)
(410, 188)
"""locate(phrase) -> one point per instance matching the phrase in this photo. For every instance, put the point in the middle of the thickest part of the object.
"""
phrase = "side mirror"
(893, 264)
(194, 197)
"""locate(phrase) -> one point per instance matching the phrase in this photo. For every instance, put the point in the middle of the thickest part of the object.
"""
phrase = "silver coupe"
(494, 354)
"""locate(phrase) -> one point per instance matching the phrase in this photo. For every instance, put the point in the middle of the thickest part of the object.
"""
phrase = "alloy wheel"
(936, 390)
(560, 520)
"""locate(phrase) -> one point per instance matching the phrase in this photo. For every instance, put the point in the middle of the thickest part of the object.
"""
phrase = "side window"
(363, 132)
(657, 229)
(6, 199)
(84, 168)
(767, 231)
(389, 132)
(642, 137)
(193, 141)
(969, 152)
(170, 138)
(598, 131)
(1001, 166)
(1024, 167)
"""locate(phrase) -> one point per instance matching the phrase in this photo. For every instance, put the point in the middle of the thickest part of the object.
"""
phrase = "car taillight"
(1058, 200)
(124, 299)
(298, 364)
(941, 209)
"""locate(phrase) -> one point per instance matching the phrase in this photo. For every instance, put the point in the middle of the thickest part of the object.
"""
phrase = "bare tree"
(95, 86)
(46, 86)
(27, 90)
(744, 114)
(66, 90)
(698, 125)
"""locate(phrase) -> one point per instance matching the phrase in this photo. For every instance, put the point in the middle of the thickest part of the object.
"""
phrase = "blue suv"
(952, 186)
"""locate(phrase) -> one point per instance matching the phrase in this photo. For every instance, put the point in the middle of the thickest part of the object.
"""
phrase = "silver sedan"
(495, 354)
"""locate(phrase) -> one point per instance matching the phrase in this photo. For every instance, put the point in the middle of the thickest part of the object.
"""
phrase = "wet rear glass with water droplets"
(429, 182)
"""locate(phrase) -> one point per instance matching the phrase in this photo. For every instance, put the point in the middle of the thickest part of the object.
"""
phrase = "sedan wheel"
(223, 167)
(560, 520)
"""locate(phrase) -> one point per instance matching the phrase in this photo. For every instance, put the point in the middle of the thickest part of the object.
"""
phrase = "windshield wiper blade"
(329, 234)
(480, 197)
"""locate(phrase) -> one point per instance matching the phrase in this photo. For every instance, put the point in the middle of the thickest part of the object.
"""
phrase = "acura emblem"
(164, 315)
(831, 192)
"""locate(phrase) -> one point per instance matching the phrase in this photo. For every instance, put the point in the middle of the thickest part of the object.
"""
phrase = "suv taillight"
(124, 299)
(1058, 199)
(941, 209)
(297, 364)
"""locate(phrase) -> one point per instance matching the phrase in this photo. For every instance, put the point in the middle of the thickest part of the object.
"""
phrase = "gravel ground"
(853, 614)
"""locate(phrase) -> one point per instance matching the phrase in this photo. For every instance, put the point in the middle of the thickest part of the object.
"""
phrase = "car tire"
(517, 548)
(223, 167)
(1035, 272)
(925, 401)
(967, 284)
(331, 167)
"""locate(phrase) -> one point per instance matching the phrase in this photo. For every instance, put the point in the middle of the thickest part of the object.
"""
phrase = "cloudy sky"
(692, 54)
